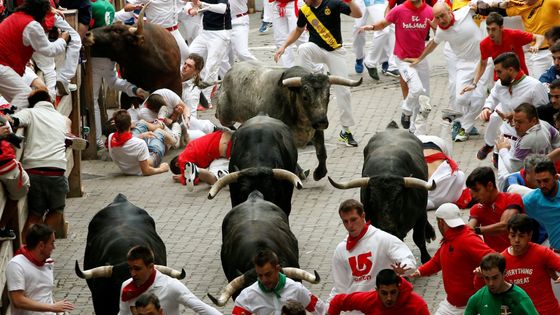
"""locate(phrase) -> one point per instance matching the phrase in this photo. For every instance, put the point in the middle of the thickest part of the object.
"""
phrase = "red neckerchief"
(522, 173)
(120, 138)
(25, 252)
(131, 291)
(450, 22)
(351, 242)
(411, 6)
(520, 75)
(440, 156)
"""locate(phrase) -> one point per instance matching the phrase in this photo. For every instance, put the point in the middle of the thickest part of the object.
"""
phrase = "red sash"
(351, 242)
(442, 157)
(119, 139)
(131, 291)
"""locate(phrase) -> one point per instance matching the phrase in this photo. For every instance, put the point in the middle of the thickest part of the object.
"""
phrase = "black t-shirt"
(328, 13)
(212, 21)
(546, 113)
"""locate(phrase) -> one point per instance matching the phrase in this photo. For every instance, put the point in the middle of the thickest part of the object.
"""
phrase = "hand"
(58, 12)
(178, 109)
(365, 28)
(193, 11)
(62, 306)
(177, 178)
(415, 274)
(196, 3)
(506, 116)
(147, 134)
(65, 36)
(485, 114)
(477, 272)
(141, 93)
(534, 49)
(400, 270)
(502, 143)
(468, 88)
(279, 54)
(164, 167)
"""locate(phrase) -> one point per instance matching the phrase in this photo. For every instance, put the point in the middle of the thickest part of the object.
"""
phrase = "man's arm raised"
(294, 35)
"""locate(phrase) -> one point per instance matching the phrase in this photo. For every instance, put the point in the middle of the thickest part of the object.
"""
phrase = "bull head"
(408, 182)
(107, 272)
(278, 173)
(239, 282)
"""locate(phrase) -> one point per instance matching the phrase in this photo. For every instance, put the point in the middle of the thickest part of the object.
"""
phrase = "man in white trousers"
(266, 17)
(239, 48)
(322, 18)
(463, 35)
(284, 19)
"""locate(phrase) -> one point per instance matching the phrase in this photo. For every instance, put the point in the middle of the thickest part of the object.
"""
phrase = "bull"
(263, 156)
(248, 228)
(394, 188)
(295, 96)
(147, 53)
(112, 232)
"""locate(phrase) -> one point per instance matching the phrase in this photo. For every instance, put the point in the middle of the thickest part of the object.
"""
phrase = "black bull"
(264, 157)
(296, 96)
(394, 190)
(248, 228)
(112, 232)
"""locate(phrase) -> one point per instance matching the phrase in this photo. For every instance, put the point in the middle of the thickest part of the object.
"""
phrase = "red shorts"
(202, 151)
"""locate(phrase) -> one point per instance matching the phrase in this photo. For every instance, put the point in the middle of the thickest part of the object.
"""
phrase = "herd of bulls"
(263, 171)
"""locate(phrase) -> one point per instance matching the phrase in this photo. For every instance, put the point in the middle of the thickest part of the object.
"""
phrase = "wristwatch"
(477, 230)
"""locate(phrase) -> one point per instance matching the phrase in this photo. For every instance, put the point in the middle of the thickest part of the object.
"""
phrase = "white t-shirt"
(161, 12)
(463, 37)
(36, 282)
(129, 156)
(171, 292)
(170, 98)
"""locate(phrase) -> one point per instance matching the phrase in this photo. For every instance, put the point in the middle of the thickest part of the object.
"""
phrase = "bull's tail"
(392, 125)
(429, 232)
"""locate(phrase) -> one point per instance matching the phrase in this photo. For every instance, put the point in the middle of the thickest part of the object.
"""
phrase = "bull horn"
(140, 24)
(355, 183)
(222, 182)
(282, 174)
(292, 82)
(97, 272)
(413, 182)
(334, 79)
(232, 287)
(300, 274)
(172, 272)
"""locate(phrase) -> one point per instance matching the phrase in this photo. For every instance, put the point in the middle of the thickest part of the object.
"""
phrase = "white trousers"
(496, 126)
(104, 68)
(212, 46)
(189, 26)
(239, 44)
(447, 309)
(199, 127)
(183, 48)
(383, 41)
(267, 11)
(538, 62)
(418, 79)
(310, 54)
(13, 88)
(282, 27)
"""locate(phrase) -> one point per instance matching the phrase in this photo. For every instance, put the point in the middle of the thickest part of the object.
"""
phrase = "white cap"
(450, 213)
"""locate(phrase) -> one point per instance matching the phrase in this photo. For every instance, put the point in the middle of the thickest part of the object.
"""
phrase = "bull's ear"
(137, 40)
(119, 22)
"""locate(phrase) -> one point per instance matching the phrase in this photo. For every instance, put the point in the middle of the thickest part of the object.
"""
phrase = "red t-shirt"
(512, 40)
(486, 215)
(529, 272)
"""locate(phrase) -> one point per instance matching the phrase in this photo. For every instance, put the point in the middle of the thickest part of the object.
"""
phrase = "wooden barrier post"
(87, 95)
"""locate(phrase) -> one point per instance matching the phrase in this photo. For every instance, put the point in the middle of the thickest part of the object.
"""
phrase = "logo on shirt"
(327, 11)
(361, 266)
(415, 23)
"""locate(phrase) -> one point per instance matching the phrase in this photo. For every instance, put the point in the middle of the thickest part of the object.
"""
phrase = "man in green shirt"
(498, 296)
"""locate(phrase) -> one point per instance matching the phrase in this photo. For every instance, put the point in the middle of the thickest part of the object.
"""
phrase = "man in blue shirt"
(553, 72)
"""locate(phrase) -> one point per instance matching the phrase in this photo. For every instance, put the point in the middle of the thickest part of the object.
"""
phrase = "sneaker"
(177, 133)
(7, 234)
(483, 152)
(425, 106)
(72, 87)
(373, 73)
(191, 173)
(265, 26)
(76, 143)
(391, 73)
(384, 67)
(462, 136)
(495, 160)
(455, 128)
(359, 66)
(450, 114)
(100, 145)
(473, 132)
(348, 139)
(405, 121)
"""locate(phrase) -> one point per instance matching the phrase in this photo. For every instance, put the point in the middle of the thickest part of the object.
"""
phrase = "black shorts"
(46, 193)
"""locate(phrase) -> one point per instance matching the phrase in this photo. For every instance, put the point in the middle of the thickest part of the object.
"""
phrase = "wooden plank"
(87, 94)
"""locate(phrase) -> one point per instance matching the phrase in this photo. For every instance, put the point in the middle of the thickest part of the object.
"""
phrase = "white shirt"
(36, 282)
(528, 90)
(237, 7)
(191, 96)
(449, 186)
(171, 292)
(375, 251)
(170, 98)
(129, 156)
(254, 300)
(34, 36)
(44, 136)
(463, 37)
(161, 12)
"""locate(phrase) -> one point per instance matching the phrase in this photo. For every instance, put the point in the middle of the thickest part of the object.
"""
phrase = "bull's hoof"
(304, 174)
(319, 173)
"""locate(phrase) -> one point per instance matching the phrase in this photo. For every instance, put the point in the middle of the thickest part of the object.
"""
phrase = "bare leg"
(206, 176)
(55, 219)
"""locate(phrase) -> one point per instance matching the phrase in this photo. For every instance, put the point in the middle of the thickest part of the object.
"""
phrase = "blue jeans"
(156, 146)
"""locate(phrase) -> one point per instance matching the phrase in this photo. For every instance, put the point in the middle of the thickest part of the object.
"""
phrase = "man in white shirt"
(134, 155)
(30, 277)
(146, 279)
(273, 290)
(148, 304)
(365, 251)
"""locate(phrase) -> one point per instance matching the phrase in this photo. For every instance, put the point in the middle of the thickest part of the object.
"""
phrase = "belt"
(514, 138)
(53, 172)
(543, 48)
(241, 14)
(172, 28)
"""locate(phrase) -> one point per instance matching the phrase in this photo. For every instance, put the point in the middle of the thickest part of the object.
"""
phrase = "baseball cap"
(450, 213)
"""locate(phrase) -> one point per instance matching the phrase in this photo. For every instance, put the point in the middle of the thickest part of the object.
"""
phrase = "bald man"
(459, 30)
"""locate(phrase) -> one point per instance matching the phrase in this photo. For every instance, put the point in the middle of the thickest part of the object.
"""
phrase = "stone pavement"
(190, 224)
